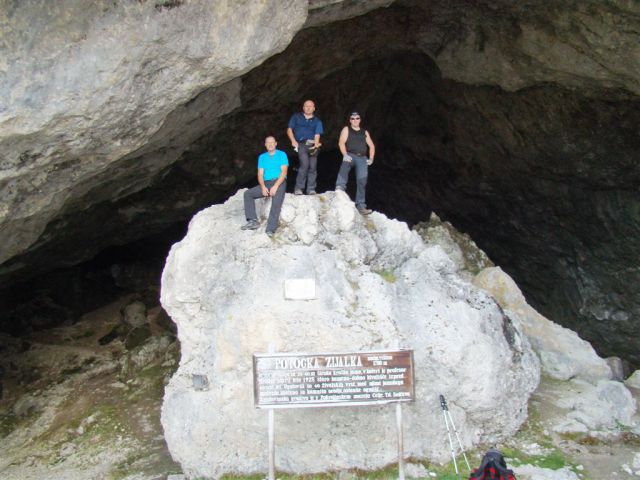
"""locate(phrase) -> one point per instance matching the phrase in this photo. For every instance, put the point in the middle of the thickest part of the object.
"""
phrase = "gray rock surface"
(322, 12)
(463, 251)
(617, 368)
(135, 314)
(88, 84)
(379, 287)
(112, 127)
(634, 380)
(566, 43)
(596, 408)
(563, 354)
(92, 426)
(78, 422)
(531, 472)
(416, 470)
(25, 404)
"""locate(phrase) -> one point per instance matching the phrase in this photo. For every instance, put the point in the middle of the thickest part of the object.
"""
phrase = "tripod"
(447, 418)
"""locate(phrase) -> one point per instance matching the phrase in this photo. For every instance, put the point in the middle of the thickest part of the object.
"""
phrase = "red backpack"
(493, 467)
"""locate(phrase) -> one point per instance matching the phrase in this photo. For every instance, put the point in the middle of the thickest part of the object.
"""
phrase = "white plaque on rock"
(300, 289)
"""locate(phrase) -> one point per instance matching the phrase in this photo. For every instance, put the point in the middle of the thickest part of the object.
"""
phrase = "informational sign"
(295, 380)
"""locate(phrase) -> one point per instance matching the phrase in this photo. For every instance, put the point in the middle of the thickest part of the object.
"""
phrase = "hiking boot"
(270, 234)
(297, 191)
(364, 211)
(251, 225)
(311, 192)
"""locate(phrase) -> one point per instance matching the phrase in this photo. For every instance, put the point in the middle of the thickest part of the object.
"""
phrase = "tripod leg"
(455, 431)
(453, 454)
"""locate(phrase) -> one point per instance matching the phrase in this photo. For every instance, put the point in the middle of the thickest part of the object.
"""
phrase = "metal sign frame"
(333, 379)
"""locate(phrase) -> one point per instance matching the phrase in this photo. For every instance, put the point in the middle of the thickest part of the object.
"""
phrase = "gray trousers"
(276, 203)
(308, 168)
(362, 172)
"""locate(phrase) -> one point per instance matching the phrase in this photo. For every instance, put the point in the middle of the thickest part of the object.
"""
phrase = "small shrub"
(387, 275)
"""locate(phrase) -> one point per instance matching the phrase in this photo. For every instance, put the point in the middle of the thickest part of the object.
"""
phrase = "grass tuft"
(387, 275)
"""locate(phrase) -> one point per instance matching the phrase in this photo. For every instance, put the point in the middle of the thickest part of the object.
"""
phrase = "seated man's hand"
(265, 191)
(273, 191)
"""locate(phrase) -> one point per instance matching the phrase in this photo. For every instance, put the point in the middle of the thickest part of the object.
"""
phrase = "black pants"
(276, 203)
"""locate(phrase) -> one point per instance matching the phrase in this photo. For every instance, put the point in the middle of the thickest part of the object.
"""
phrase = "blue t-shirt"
(272, 163)
(305, 128)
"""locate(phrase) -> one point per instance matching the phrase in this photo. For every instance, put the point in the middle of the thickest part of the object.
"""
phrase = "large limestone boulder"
(563, 354)
(378, 286)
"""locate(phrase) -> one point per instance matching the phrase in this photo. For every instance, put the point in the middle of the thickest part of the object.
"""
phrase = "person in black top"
(353, 144)
(304, 131)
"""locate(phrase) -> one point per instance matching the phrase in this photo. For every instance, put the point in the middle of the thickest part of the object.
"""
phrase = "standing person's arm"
(294, 144)
(319, 131)
(290, 134)
(281, 178)
(372, 147)
(263, 187)
(342, 144)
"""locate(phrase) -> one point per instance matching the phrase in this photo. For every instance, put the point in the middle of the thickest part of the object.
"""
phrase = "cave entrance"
(543, 178)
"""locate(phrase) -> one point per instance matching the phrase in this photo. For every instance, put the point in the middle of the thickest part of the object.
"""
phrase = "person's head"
(354, 119)
(270, 143)
(308, 107)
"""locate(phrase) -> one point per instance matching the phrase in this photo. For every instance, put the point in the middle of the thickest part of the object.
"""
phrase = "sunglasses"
(355, 118)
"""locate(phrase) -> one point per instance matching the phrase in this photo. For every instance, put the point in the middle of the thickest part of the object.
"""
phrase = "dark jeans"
(362, 172)
(276, 203)
(308, 169)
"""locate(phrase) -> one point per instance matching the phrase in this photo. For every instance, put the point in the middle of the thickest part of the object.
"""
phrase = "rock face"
(379, 286)
(563, 354)
(603, 405)
(515, 120)
(95, 82)
(634, 380)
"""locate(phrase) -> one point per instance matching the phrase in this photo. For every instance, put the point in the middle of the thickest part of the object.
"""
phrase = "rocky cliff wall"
(515, 120)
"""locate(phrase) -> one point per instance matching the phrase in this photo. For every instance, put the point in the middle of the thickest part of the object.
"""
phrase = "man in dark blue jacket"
(304, 131)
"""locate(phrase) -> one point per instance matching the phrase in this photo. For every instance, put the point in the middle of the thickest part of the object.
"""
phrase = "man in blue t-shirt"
(272, 182)
(304, 131)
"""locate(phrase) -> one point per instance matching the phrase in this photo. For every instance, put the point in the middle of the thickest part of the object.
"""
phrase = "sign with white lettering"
(291, 380)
